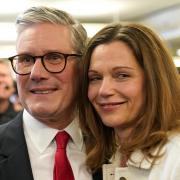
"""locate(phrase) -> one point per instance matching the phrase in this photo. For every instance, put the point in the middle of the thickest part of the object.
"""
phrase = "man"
(7, 89)
(50, 44)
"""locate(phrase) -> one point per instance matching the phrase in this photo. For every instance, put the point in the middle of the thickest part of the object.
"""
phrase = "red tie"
(62, 168)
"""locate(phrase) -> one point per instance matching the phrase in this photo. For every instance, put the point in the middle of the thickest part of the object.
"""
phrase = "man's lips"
(42, 90)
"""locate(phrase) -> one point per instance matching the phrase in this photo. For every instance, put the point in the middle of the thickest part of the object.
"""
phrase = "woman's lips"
(110, 105)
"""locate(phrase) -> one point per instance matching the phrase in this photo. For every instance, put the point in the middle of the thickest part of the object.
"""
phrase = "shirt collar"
(42, 135)
(138, 159)
(74, 131)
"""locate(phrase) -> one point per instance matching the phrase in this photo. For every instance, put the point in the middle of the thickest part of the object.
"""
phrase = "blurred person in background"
(130, 108)
(15, 99)
(49, 45)
(7, 108)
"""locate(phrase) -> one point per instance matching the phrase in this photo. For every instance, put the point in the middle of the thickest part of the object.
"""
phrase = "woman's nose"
(106, 87)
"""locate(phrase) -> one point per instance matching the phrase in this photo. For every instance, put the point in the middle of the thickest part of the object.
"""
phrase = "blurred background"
(163, 16)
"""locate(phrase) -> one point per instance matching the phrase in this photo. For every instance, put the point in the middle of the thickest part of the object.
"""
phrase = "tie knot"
(62, 139)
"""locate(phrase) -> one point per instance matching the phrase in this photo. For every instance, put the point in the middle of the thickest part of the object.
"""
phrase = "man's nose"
(38, 71)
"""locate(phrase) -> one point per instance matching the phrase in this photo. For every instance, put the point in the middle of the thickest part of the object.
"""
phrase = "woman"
(130, 110)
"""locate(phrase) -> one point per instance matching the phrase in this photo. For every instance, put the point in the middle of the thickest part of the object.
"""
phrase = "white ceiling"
(161, 15)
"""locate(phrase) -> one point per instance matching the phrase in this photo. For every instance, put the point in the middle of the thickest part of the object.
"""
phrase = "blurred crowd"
(9, 100)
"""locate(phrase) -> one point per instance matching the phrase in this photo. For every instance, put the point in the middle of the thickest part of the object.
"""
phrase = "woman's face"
(116, 84)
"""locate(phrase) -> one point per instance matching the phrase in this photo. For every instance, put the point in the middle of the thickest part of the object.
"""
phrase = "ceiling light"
(7, 32)
(7, 51)
(12, 7)
(93, 28)
(177, 61)
(178, 52)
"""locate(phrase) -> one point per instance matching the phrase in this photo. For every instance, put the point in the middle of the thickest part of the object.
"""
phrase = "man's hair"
(161, 112)
(41, 14)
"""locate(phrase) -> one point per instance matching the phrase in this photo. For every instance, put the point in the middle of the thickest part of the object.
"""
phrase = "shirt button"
(122, 178)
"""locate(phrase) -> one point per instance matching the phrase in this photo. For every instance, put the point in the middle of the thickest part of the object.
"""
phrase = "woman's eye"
(94, 78)
(122, 75)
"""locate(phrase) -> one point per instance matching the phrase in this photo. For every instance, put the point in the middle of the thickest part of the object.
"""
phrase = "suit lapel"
(14, 158)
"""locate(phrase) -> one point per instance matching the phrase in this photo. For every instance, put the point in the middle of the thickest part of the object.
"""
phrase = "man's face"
(49, 97)
(6, 82)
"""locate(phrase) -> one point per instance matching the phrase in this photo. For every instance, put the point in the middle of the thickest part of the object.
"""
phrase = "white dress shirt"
(42, 147)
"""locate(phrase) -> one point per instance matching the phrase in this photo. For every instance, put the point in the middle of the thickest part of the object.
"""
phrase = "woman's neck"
(123, 134)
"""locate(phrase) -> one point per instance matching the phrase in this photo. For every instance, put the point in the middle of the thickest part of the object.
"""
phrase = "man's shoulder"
(3, 128)
(8, 115)
(10, 126)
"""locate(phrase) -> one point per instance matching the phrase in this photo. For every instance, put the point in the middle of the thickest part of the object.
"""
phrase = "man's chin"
(41, 112)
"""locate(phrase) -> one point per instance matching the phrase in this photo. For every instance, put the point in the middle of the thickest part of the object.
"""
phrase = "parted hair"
(42, 14)
(161, 112)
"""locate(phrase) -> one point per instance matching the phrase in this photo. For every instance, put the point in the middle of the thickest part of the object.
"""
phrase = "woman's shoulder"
(173, 143)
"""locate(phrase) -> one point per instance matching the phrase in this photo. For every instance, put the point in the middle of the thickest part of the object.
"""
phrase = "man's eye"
(24, 59)
(54, 57)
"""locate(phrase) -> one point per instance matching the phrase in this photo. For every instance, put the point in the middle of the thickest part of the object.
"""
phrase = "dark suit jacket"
(14, 158)
(8, 115)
